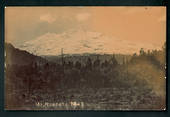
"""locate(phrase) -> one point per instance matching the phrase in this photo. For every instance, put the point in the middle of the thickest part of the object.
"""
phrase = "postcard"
(85, 58)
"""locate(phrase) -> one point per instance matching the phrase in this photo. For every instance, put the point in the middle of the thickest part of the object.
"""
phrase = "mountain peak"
(78, 42)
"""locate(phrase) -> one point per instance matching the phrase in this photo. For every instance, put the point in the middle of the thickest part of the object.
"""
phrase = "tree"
(142, 52)
(149, 52)
(164, 47)
(78, 65)
(96, 62)
(134, 55)
(114, 61)
(105, 64)
(70, 64)
(89, 64)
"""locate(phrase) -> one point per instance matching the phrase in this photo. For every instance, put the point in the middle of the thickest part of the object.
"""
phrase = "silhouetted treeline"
(145, 72)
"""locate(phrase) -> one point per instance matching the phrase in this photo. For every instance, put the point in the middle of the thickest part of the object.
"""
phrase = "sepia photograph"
(85, 58)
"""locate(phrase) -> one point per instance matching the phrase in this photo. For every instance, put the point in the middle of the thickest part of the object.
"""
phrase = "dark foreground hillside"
(136, 84)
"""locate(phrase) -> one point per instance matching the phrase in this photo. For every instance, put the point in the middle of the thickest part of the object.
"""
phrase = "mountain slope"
(19, 57)
(80, 41)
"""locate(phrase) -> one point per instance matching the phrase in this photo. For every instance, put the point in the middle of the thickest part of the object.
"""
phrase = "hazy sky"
(133, 24)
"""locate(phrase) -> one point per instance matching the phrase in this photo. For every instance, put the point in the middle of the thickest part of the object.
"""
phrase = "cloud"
(82, 16)
(47, 18)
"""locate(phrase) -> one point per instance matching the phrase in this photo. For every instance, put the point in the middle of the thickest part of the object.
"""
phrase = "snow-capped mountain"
(78, 42)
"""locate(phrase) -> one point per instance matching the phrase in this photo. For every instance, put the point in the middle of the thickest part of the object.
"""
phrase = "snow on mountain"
(78, 42)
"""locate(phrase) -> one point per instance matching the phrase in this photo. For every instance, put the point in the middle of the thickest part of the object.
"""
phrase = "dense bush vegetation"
(143, 74)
